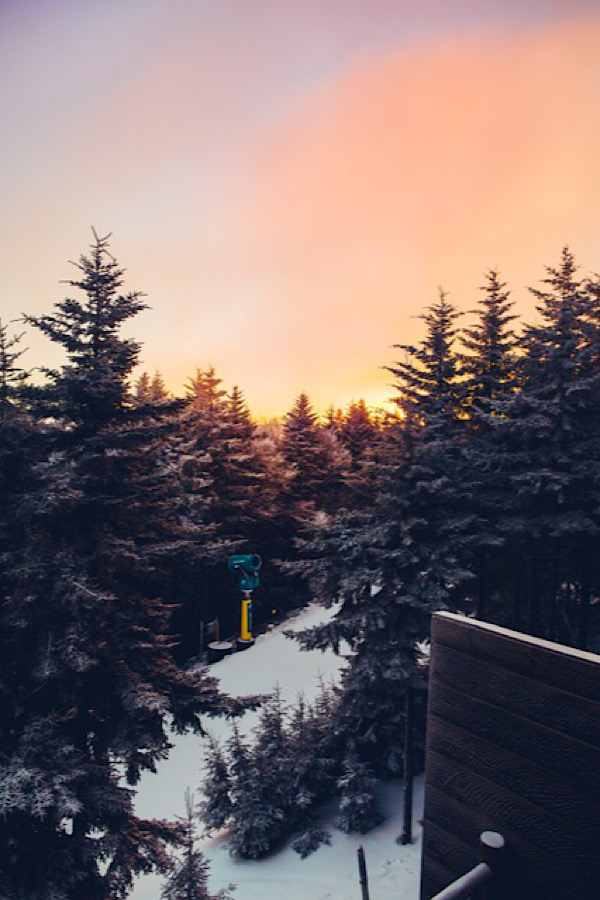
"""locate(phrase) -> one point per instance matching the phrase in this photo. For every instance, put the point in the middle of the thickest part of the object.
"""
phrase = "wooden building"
(513, 746)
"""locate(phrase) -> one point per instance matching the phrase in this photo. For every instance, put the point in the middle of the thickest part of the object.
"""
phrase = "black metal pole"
(362, 871)
(406, 836)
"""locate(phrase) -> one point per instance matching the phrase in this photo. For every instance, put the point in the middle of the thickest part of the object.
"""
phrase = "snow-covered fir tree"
(394, 562)
(317, 461)
(358, 807)
(215, 808)
(12, 376)
(158, 391)
(260, 790)
(315, 752)
(221, 468)
(258, 820)
(87, 662)
(545, 449)
(490, 378)
(489, 365)
(188, 879)
(269, 788)
(358, 432)
(141, 393)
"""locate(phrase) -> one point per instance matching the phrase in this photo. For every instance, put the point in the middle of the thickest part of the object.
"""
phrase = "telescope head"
(245, 566)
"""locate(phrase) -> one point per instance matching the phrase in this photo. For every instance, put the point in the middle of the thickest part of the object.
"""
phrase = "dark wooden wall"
(513, 745)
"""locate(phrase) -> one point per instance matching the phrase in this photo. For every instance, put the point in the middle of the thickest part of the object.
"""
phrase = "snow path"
(331, 873)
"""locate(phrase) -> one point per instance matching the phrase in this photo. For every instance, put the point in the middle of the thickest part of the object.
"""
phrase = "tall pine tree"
(395, 562)
(88, 667)
(546, 452)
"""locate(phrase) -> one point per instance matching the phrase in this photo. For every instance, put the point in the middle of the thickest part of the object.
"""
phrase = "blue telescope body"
(245, 566)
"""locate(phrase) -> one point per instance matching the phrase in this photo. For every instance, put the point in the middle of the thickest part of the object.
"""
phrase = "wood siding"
(513, 745)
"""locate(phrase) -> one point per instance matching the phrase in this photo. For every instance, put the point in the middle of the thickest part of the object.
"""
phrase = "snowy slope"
(331, 873)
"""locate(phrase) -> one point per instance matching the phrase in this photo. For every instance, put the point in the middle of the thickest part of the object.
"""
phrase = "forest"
(120, 503)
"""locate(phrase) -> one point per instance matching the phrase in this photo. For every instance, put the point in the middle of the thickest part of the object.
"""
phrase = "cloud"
(418, 168)
(291, 190)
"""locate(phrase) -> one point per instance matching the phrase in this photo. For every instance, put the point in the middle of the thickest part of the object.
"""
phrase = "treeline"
(254, 488)
(482, 496)
(119, 506)
(94, 528)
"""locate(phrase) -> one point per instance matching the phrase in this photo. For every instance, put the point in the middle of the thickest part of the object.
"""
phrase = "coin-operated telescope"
(246, 567)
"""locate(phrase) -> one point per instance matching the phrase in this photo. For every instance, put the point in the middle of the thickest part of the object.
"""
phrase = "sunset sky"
(289, 181)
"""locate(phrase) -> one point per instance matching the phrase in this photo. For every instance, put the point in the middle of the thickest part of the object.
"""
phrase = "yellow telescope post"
(246, 626)
(245, 566)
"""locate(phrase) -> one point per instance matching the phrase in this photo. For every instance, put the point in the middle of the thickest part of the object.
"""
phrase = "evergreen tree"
(427, 377)
(260, 792)
(317, 466)
(12, 377)
(17, 429)
(88, 667)
(490, 370)
(314, 751)
(91, 390)
(189, 453)
(188, 879)
(546, 451)
(158, 392)
(221, 472)
(222, 432)
(240, 475)
(258, 821)
(358, 432)
(358, 807)
(334, 420)
(490, 362)
(394, 563)
(268, 789)
(142, 390)
(216, 808)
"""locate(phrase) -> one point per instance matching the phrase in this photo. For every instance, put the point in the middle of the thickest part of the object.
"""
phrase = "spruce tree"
(188, 879)
(215, 809)
(314, 752)
(158, 391)
(93, 685)
(18, 432)
(268, 789)
(223, 490)
(358, 808)
(489, 370)
(489, 366)
(260, 792)
(258, 820)
(547, 454)
(12, 376)
(142, 390)
(392, 564)
(317, 466)
(358, 432)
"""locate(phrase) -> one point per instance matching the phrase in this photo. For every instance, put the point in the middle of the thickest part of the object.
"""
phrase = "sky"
(290, 181)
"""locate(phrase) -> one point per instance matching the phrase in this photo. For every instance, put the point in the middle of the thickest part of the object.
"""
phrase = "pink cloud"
(291, 243)
(415, 169)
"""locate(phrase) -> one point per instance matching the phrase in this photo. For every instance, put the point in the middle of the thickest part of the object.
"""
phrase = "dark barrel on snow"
(218, 650)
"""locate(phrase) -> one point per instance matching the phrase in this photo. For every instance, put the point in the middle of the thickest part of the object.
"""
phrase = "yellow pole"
(246, 627)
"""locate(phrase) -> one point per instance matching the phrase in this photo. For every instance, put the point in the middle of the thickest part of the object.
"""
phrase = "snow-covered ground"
(331, 873)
